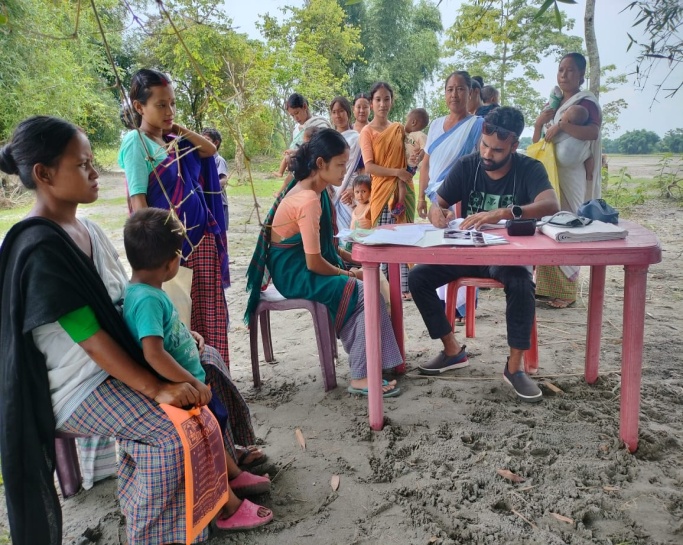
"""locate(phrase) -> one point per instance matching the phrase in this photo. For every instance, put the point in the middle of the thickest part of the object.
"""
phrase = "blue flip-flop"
(364, 391)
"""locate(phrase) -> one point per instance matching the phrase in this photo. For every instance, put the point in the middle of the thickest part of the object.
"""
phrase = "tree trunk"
(239, 156)
(592, 48)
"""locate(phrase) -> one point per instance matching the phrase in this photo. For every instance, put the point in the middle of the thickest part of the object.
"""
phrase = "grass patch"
(106, 158)
(116, 201)
(9, 217)
(262, 187)
(622, 191)
(265, 164)
(103, 216)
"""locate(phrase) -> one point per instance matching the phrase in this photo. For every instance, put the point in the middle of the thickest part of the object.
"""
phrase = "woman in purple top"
(171, 167)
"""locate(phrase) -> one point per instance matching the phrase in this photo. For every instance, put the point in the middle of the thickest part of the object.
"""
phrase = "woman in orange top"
(382, 145)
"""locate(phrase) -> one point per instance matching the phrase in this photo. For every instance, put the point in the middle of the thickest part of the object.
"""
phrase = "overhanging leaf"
(543, 8)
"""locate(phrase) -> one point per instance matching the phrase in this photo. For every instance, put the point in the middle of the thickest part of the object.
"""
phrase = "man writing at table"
(492, 185)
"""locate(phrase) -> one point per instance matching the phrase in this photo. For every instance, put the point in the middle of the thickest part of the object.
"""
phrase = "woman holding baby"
(574, 128)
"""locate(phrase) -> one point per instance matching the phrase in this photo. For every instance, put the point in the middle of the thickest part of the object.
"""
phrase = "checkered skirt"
(151, 476)
(239, 430)
(209, 308)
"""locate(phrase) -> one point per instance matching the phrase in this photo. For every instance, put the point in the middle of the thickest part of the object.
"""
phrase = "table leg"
(373, 344)
(596, 301)
(635, 283)
(396, 299)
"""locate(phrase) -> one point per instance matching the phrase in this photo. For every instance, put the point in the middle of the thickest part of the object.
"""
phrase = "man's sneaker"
(442, 362)
(525, 388)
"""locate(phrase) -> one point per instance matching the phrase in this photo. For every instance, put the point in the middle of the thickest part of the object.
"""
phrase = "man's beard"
(495, 166)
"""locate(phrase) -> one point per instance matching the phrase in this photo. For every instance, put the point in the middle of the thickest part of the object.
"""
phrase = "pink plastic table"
(639, 250)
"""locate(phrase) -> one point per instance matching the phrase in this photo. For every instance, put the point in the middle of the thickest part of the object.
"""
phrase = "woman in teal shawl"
(298, 252)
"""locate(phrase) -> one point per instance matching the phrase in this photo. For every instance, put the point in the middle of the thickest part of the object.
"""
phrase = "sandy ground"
(430, 477)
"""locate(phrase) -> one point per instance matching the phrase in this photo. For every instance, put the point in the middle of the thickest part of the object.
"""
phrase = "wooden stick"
(556, 329)
(560, 375)
(282, 469)
(524, 518)
(560, 322)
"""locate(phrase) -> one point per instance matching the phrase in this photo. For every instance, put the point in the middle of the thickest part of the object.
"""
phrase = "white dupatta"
(313, 121)
(569, 152)
(343, 211)
(575, 188)
(448, 147)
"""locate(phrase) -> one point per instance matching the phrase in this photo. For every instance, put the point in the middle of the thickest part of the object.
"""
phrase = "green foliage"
(610, 146)
(222, 84)
(206, 39)
(611, 110)
(52, 65)
(435, 103)
(525, 142)
(106, 157)
(622, 191)
(610, 115)
(660, 21)
(401, 47)
(672, 141)
(638, 142)
(308, 51)
(504, 41)
(669, 178)
(556, 10)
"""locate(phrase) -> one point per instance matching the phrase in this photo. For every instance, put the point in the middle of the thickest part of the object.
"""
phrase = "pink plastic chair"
(530, 356)
(67, 466)
(271, 300)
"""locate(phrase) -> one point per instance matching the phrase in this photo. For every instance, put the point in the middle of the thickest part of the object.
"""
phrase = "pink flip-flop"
(245, 518)
(247, 484)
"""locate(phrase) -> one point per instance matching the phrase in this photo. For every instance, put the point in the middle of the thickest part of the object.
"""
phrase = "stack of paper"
(455, 224)
(596, 231)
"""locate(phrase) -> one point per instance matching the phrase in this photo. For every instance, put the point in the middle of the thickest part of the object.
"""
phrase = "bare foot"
(560, 303)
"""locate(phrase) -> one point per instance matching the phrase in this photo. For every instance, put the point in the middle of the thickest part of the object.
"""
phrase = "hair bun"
(7, 163)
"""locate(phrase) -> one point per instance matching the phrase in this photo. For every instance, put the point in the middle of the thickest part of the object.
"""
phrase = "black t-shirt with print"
(467, 181)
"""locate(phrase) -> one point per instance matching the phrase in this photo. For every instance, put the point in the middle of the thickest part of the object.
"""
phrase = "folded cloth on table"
(596, 231)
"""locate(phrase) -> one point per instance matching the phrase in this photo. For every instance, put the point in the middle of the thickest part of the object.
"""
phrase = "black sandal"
(245, 452)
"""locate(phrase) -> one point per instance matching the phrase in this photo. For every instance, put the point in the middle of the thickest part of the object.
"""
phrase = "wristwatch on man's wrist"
(517, 211)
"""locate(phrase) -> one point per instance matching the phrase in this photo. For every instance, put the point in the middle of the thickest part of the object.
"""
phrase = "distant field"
(638, 166)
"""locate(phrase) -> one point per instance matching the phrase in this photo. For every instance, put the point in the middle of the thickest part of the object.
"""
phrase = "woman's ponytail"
(301, 163)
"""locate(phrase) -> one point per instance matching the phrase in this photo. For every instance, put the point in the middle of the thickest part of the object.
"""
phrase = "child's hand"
(204, 392)
(552, 132)
(545, 116)
(405, 176)
(422, 208)
(199, 340)
(347, 197)
(177, 394)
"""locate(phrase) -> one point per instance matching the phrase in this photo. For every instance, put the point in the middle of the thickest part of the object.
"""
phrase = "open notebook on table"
(423, 236)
